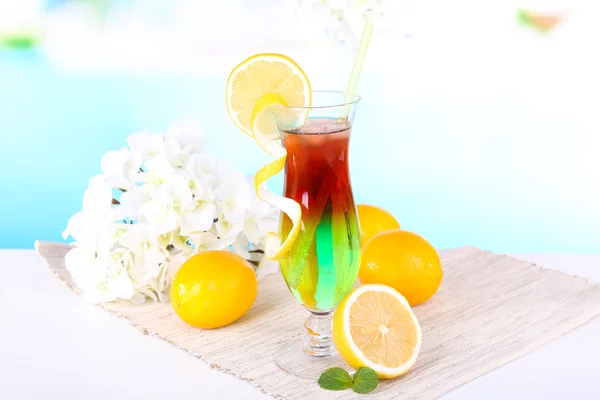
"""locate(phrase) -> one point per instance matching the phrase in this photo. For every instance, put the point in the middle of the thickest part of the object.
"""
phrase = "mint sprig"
(335, 379)
(365, 380)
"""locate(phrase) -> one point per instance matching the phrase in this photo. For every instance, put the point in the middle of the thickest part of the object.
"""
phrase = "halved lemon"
(375, 327)
(256, 88)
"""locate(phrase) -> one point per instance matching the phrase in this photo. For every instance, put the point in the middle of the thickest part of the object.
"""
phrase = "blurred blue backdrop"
(493, 149)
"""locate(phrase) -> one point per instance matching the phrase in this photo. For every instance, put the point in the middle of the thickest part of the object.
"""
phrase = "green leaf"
(335, 379)
(365, 380)
(524, 17)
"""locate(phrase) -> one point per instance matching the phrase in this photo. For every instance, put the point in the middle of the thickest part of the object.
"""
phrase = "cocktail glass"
(322, 266)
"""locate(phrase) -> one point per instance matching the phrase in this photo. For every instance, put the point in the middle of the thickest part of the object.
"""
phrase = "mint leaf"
(335, 379)
(365, 380)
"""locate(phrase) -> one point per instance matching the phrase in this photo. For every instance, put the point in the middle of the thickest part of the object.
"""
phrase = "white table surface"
(55, 346)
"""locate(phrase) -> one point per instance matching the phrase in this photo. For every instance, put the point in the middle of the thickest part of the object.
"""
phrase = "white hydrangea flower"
(266, 267)
(96, 216)
(102, 275)
(262, 220)
(157, 170)
(174, 264)
(242, 247)
(145, 144)
(187, 138)
(120, 168)
(211, 240)
(157, 203)
(201, 170)
(197, 218)
(233, 194)
(147, 252)
(163, 212)
(132, 201)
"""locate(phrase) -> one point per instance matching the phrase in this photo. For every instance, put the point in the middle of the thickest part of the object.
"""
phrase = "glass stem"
(320, 337)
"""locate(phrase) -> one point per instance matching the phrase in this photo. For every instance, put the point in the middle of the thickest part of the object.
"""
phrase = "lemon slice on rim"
(256, 88)
(375, 327)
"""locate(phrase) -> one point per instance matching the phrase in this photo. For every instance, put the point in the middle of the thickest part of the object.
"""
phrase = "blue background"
(55, 126)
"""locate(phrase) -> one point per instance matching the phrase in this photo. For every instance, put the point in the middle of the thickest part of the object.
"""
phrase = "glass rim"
(355, 100)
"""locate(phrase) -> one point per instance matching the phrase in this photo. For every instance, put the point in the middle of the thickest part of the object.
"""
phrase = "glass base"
(293, 359)
(309, 356)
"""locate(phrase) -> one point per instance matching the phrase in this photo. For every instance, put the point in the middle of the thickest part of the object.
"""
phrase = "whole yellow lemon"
(374, 220)
(403, 260)
(213, 289)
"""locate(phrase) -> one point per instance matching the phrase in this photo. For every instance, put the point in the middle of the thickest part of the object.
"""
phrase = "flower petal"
(198, 220)
(188, 134)
(97, 196)
(145, 144)
(266, 267)
(120, 164)
(132, 201)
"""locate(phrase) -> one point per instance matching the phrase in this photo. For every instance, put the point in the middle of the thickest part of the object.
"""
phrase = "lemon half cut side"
(375, 327)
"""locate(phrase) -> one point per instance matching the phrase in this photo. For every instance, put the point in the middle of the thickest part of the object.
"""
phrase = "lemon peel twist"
(275, 249)
(258, 87)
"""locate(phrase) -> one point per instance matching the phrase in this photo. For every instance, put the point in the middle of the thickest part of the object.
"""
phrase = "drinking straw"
(357, 67)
